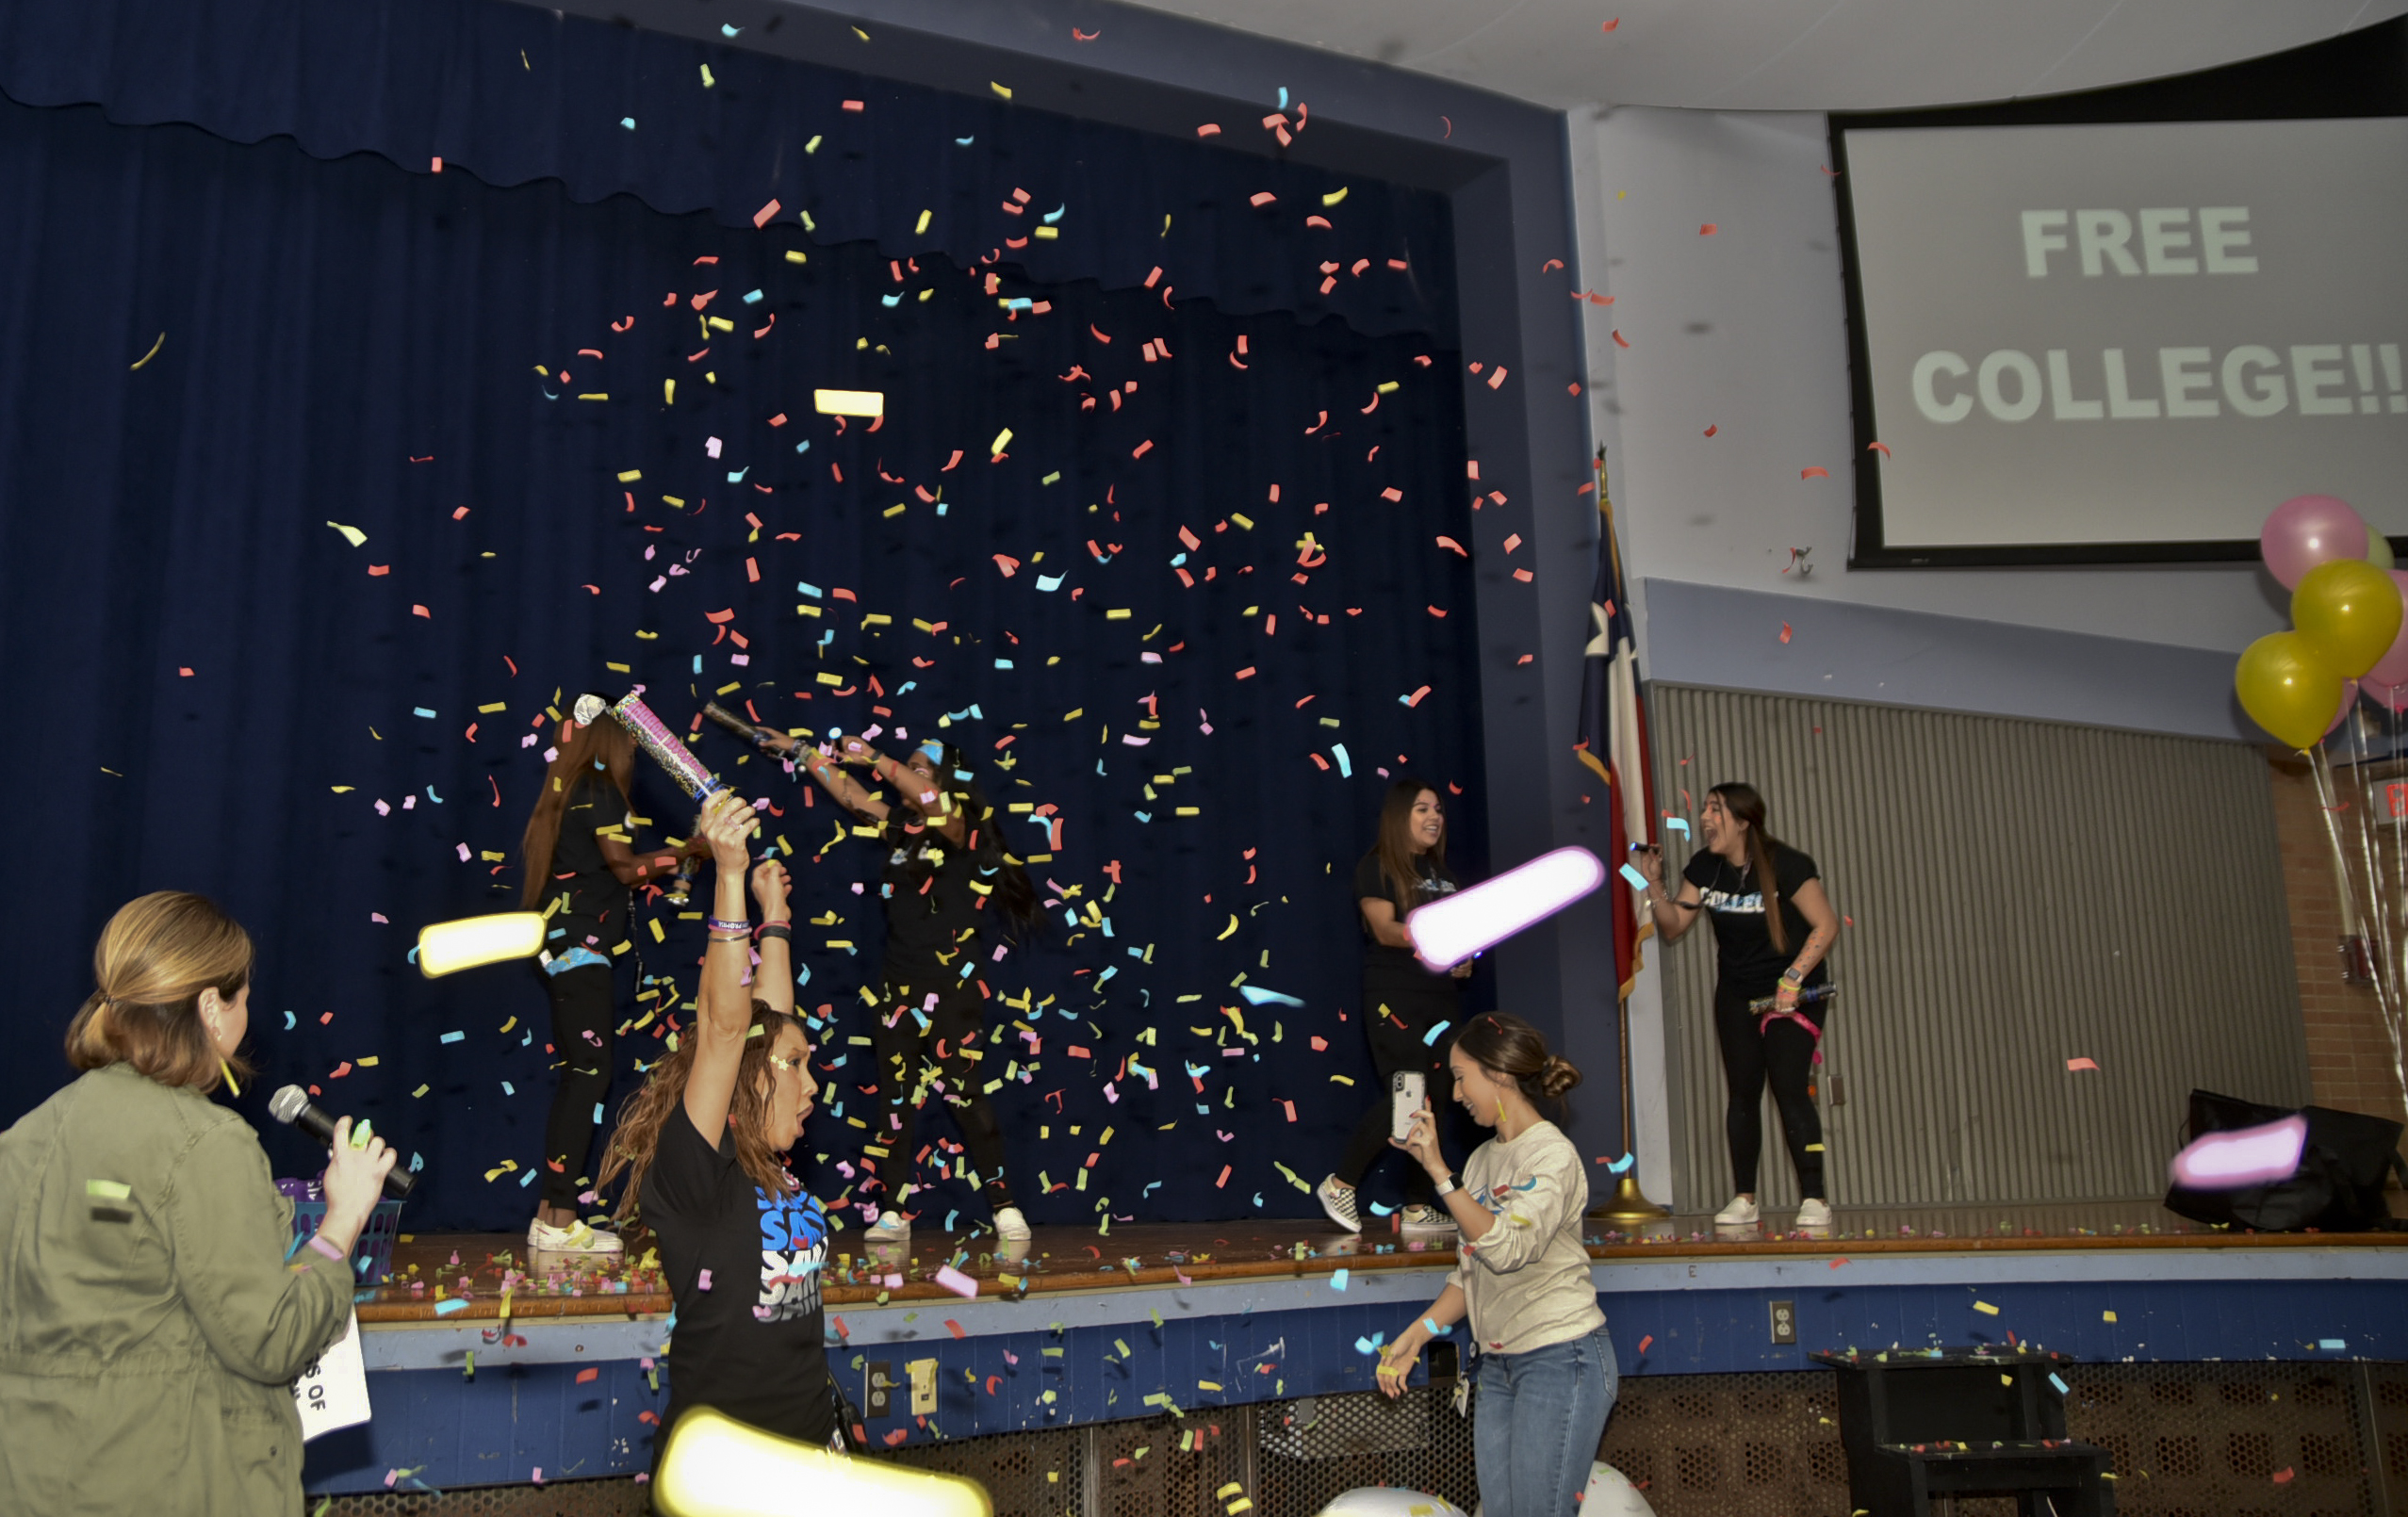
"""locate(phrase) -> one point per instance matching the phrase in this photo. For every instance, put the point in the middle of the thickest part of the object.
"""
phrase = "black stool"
(1918, 1424)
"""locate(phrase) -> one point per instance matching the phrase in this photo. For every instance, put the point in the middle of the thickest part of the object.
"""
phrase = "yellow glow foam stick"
(718, 1467)
(447, 946)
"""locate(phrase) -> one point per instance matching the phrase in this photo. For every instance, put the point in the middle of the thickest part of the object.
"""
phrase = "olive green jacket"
(148, 1343)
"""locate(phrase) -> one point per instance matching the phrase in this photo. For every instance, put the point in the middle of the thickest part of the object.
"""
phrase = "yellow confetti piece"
(1334, 197)
(1986, 1309)
(631, 475)
(1000, 89)
(108, 1190)
(351, 534)
(2107, 1317)
(925, 217)
(1003, 440)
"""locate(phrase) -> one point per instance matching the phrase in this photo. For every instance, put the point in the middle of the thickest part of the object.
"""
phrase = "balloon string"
(2320, 767)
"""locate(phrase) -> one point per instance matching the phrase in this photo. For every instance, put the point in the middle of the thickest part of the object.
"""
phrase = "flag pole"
(1628, 1202)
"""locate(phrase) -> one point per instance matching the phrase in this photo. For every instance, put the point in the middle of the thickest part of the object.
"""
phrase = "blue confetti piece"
(1283, 97)
(1675, 824)
(890, 299)
(753, 298)
(697, 663)
(526, 1180)
(444, 1309)
(420, 711)
(726, 30)
(1430, 1038)
(1622, 1165)
(2337, 1345)
(598, 1121)
(506, 1090)
(451, 1037)
(1259, 996)
(1638, 881)
(738, 476)
(288, 1016)
(1337, 1281)
(628, 122)
(1055, 215)
(806, 587)
(412, 957)
(1050, 581)
(431, 796)
(964, 142)
(803, 447)
(1345, 765)
(418, 1162)
(2062, 1389)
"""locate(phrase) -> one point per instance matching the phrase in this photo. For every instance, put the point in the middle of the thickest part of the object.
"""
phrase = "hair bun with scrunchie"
(1558, 1076)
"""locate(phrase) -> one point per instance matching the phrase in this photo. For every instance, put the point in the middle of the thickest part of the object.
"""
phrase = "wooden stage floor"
(432, 1271)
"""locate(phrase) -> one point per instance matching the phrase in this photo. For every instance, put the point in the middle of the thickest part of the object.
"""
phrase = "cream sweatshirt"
(1526, 1279)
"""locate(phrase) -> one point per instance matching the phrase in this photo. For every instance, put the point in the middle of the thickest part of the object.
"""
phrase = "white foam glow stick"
(447, 946)
(1452, 929)
(2244, 1156)
(718, 1467)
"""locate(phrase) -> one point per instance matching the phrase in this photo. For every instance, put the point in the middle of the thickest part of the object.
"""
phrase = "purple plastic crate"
(372, 1256)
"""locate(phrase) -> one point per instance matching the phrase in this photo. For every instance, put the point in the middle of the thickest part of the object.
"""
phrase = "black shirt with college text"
(1735, 899)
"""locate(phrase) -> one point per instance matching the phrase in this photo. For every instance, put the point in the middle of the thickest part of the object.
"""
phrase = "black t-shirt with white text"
(1383, 964)
(746, 1269)
(1735, 899)
(932, 913)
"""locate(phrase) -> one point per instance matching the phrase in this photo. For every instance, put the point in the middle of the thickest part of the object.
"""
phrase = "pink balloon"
(2348, 703)
(2387, 681)
(2309, 530)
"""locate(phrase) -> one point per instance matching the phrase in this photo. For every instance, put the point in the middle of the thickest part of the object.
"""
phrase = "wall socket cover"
(1784, 1322)
(877, 1390)
(924, 1386)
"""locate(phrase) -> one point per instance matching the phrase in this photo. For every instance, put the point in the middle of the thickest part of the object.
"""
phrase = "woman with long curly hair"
(949, 888)
(580, 853)
(702, 1146)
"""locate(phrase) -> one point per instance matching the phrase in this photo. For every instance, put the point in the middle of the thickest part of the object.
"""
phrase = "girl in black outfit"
(743, 1244)
(580, 861)
(1779, 954)
(1404, 1005)
(947, 882)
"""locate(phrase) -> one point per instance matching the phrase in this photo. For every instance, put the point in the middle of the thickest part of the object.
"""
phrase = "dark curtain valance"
(513, 94)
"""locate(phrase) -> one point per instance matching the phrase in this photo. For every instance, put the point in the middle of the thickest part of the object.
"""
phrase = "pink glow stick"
(1453, 928)
(2244, 1156)
(666, 749)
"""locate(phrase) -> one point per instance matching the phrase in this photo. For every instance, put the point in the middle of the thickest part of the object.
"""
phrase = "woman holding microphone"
(1547, 1374)
(150, 1325)
(1773, 927)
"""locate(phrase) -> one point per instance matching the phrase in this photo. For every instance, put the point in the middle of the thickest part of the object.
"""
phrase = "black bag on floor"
(2338, 1187)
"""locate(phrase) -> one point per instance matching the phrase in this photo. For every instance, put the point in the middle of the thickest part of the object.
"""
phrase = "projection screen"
(2122, 343)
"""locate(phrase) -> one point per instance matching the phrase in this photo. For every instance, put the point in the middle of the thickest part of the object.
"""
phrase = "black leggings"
(1402, 1048)
(909, 1057)
(582, 1007)
(1785, 1052)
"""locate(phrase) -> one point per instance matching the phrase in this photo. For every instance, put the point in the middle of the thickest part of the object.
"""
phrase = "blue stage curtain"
(516, 94)
(211, 353)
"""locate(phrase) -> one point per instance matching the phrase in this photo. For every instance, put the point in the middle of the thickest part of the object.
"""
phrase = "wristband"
(1793, 978)
(1447, 1187)
(717, 925)
(783, 932)
(318, 1241)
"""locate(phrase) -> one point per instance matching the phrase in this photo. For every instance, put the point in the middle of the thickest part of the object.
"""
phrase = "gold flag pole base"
(1628, 1203)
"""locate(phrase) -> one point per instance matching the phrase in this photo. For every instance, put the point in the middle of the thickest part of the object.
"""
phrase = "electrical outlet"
(877, 1391)
(1784, 1322)
(924, 1386)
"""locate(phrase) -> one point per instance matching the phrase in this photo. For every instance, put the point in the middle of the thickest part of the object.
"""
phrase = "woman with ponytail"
(950, 889)
(1773, 927)
(151, 1324)
(1547, 1374)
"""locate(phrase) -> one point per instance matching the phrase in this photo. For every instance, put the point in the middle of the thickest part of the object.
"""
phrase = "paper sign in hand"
(1453, 928)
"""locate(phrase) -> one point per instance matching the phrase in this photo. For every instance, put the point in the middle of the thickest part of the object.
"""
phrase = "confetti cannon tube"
(758, 736)
(666, 749)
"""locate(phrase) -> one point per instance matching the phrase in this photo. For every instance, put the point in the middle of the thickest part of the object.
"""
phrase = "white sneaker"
(891, 1227)
(1813, 1213)
(576, 1238)
(1339, 1204)
(1739, 1214)
(1427, 1219)
(1010, 1226)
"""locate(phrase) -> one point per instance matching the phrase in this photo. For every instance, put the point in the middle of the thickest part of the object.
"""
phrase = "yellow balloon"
(2350, 610)
(2288, 687)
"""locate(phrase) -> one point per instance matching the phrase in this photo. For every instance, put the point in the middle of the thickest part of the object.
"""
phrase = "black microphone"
(291, 1107)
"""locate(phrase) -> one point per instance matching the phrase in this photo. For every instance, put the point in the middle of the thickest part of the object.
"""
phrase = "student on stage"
(950, 891)
(743, 1243)
(150, 1325)
(1547, 1375)
(1407, 1009)
(578, 850)
(1762, 954)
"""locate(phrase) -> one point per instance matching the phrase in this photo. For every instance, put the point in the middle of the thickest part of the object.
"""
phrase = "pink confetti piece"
(1815, 472)
(1785, 631)
(2071, 1065)
(957, 1282)
(703, 1283)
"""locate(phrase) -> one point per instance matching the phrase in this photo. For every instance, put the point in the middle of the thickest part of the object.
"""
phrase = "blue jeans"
(1536, 1424)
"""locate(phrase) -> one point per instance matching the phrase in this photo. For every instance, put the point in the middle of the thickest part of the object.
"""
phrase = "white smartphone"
(1404, 1099)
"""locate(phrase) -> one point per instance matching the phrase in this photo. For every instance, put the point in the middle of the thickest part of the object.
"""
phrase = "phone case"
(1405, 1092)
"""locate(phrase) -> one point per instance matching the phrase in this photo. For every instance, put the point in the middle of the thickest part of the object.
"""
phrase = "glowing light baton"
(1453, 928)
(2244, 1156)
(666, 749)
(718, 1467)
(444, 947)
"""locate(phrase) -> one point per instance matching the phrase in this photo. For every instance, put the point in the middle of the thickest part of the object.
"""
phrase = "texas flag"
(1614, 732)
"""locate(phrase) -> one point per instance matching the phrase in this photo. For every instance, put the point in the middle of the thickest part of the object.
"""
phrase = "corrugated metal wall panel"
(2020, 893)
